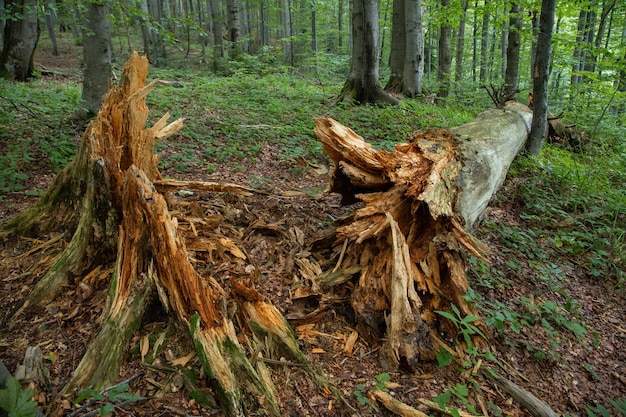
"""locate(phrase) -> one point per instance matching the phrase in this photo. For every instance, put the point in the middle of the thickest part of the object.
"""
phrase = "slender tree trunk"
(20, 40)
(363, 84)
(340, 12)
(475, 42)
(541, 77)
(445, 55)
(607, 9)
(234, 28)
(218, 34)
(49, 17)
(511, 74)
(578, 54)
(588, 51)
(313, 27)
(534, 21)
(460, 44)
(397, 53)
(97, 56)
(484, 43)
(414, 59)
(288, 43)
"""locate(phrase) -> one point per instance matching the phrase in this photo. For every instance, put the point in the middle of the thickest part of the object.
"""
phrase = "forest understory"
(561, 332)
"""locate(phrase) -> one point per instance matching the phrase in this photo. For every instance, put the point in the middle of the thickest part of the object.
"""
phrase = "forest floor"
(570, 349)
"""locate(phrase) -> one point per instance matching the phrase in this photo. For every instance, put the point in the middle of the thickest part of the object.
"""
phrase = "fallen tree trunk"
(107, 200)
(405, 242)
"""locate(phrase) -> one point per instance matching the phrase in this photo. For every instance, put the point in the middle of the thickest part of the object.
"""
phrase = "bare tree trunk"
(445, 55)
(218, 34)
(460, 44)
(484, 43)
(363, 85)
(397, 54)
(49, 17)
(234, 27)
(511, 75)
(541, 76)
(414, 58)
(97, 56)
(20, 40)
(578, 56)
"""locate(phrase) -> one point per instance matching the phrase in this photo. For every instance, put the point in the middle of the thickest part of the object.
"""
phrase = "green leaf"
(442, 399)
(462, 390)
(8, 396)
(444, 358)
(384, 377)
(88, 393)
(106, 409)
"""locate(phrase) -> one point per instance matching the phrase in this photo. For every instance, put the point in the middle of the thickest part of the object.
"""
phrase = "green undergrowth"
(570, 211)
(232, 119)
(37, 125)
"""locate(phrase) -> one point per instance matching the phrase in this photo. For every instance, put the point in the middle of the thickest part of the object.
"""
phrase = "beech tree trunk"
(21, 35)
(363, 85)
(111, 201)
(405, 242)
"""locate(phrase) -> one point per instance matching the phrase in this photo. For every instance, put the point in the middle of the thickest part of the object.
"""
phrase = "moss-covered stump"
(110, 202)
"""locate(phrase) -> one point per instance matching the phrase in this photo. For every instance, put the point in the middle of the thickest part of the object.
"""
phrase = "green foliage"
(34, 117)
(464, 325)
(106, 401)
(16, 401)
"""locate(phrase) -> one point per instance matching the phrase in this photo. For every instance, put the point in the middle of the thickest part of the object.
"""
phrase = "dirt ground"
(577, 373)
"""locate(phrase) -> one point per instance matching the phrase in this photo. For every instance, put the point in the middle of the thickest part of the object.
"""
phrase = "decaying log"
(111, 202)
(418, 204)
(534, 405)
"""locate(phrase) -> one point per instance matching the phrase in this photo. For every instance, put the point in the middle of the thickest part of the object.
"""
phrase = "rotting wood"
(396, 406)
(534, 405)
(109, 201)
(405, 242)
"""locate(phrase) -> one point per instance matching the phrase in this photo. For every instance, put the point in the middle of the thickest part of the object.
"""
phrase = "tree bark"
(110, 200)
(405, 242)
(398, 48)
(414, 57)
(363, 85)
(21, 35)
(97, 56)
(460, 44)
(511, 73)
(541, 75)
(445, 55)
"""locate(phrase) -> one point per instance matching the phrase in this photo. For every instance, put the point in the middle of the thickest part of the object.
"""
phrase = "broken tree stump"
(405, 242)
(110, 203)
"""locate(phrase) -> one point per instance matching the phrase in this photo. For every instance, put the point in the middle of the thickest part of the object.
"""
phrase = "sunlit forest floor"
(553, 296)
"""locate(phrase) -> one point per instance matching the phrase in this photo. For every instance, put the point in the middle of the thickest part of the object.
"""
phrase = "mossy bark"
(109, 199)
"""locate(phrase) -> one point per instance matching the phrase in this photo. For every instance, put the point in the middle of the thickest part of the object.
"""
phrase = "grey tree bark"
(577, 58)
(218, 33)
(460, 43)
(398, 48)
(445, 54)
(20, 40)
(234, 26)
(541, 75)
(97, 56)
(363, 84)
(414, 54)
(49, 17)
(511, 73)
(287, 42)
(484, 43)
